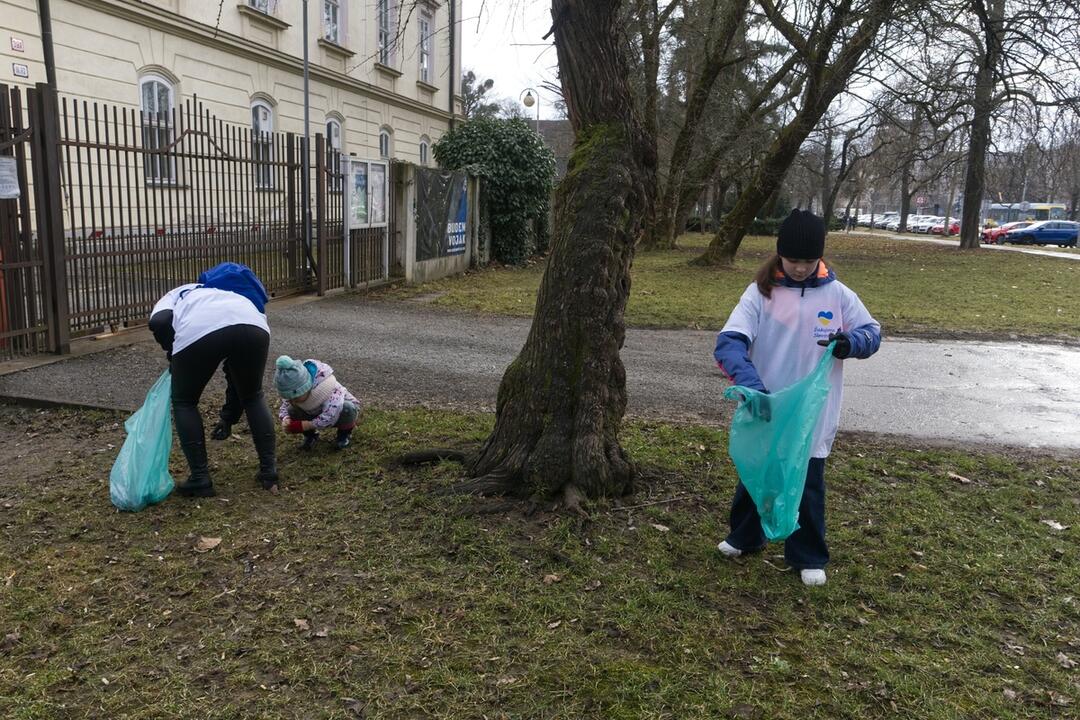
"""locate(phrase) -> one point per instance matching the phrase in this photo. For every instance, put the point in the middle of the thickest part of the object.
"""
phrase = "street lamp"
(528, 100)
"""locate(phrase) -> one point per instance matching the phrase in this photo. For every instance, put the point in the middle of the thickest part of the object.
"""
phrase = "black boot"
(198, 483)
(310, 438)
(342, 440)
(262, 433)
(221, 431)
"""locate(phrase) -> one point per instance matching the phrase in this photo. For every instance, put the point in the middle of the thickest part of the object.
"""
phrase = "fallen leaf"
(325, 632)
(10, 640)
(548, 579)
(301, 624)
(506, 681)
(1065, 661)
(661, 528)
(555, 624)
(592, 585)
(1054, 525)
(206, 544)
(1010, 694)
(959, 478)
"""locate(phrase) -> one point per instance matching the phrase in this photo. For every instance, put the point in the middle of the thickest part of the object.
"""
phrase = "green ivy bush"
(518, 170)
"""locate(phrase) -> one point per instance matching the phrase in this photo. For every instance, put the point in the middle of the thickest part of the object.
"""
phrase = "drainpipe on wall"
(453, 53)
(45, 19)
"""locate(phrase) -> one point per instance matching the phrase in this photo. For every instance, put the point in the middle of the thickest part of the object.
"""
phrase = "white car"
(924, 222)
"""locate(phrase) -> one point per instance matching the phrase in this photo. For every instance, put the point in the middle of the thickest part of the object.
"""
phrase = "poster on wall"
(378, 194)
(456, 227)
(441, 204)
(358, 195)
(9, 178)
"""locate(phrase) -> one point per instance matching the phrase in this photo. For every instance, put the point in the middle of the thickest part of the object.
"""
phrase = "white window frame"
(334, 27)
(385, 39)
(427, 57)
(425, 150)
(157, 132)
(262, 145)
(266, 7)
(386, 134)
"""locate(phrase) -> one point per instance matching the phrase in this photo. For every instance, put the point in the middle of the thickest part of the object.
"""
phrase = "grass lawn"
(917, 289)
(360, 593)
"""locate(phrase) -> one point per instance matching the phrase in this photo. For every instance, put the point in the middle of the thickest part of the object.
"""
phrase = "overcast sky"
(502, 40)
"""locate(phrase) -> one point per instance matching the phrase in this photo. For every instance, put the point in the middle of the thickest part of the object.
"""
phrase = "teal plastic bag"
(140, 475)
(771, 455)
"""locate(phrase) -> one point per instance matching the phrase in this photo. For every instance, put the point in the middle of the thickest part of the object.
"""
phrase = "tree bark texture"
(982, 107)
(824, 82)
(562, 400)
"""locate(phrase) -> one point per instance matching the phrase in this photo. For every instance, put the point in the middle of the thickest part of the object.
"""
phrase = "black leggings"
(243, 349)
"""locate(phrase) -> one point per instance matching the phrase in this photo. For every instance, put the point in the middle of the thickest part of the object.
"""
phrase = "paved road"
(405, 354)
(937, 240)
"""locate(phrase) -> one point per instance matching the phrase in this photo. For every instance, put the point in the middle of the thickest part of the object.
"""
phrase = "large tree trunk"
(561, 401)
(982, 108)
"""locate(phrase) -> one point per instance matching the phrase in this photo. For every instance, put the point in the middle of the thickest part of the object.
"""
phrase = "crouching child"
(313, 400)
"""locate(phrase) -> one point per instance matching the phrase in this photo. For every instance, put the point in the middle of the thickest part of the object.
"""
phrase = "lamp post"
(305, 181)
(528, 99)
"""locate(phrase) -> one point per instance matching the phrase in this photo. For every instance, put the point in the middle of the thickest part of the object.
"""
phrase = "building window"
(384, 143)
(384, 12)
(262, 143)
(332, 25)
(424, 145)
(427, 70)
(267, 7)
(157, 129)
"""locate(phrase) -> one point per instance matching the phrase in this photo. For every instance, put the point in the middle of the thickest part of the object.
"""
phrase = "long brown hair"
(765, 278)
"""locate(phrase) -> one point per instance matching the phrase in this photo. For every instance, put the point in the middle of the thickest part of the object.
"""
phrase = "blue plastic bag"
(140, 475)
(772, 455)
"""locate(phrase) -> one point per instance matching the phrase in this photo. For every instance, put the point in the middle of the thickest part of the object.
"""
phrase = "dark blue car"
(1048, 232)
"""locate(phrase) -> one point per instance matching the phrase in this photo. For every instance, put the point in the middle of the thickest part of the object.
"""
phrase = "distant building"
(559, 136)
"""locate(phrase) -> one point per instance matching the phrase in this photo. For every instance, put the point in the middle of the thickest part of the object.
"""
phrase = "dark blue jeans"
(805, 548)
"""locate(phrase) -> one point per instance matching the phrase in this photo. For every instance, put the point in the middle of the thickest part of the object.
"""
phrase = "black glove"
(843, 345)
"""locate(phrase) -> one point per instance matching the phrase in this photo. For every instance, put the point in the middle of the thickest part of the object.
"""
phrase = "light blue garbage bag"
(140, 475)
(772, 456)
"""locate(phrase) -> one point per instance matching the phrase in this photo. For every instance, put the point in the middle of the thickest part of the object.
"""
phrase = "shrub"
(517, 170)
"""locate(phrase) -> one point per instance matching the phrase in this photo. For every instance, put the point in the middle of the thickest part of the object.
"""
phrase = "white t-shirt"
(784, 331)
(199, 311)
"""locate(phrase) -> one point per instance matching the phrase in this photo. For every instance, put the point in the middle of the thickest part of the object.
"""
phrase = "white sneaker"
(813, 578)
(728, 550)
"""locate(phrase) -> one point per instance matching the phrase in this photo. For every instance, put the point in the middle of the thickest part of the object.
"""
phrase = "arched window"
(157, 102)
(385, 140)
(333, 149)
(262, 144)
(425, 146)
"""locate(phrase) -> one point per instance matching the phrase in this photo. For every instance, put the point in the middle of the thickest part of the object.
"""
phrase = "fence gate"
(30, 320)
(355, 219)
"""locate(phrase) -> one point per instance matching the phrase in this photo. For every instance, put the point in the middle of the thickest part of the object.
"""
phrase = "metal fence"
(117, 206)
(152, 199)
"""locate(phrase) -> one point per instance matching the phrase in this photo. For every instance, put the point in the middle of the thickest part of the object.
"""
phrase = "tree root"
(484, 486)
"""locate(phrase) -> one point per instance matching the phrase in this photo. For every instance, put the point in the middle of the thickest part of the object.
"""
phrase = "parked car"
(939, 228)
(884, 220)
(994, 235)
(923, 223)
(1046, 232)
